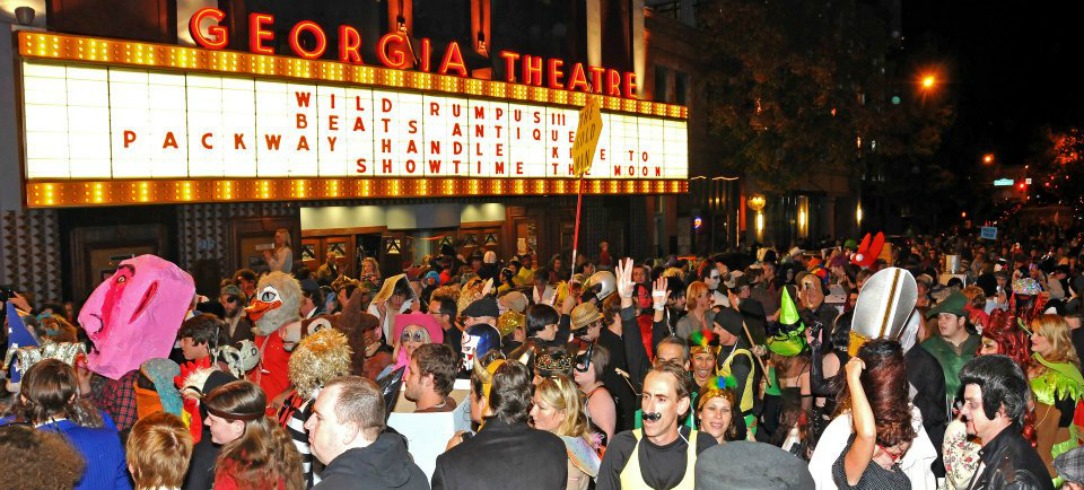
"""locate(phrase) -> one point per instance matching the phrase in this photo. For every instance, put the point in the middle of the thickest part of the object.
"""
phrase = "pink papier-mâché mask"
(135, 314)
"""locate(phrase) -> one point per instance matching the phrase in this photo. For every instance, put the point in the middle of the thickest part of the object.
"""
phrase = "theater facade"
(386, 144)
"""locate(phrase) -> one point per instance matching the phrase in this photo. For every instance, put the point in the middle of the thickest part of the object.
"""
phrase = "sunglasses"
(417, 336)
(583, 361)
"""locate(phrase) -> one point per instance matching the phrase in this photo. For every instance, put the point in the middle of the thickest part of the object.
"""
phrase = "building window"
(681, 88)
(662, 86)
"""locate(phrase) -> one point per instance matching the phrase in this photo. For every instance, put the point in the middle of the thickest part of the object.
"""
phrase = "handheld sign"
(988, 232)
(587, 134)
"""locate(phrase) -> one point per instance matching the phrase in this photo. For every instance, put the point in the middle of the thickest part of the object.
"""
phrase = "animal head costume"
(277, 303)
(884, 309)
(134, 315)
(789, 339)
(868, 251)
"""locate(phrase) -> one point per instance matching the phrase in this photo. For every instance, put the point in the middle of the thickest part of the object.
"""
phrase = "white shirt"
(915, 463)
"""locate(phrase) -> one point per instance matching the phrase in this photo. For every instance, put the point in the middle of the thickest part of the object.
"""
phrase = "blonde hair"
(1057, 332)
(695, 289)
(158, 450)
(562, 394)
(286, 234)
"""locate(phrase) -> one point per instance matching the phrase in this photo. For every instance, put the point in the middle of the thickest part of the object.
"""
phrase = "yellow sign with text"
(587, 134)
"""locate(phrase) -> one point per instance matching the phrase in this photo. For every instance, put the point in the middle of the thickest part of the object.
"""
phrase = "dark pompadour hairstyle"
(1003, 384)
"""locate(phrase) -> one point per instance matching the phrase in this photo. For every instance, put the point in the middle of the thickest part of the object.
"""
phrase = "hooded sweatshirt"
(383, 464)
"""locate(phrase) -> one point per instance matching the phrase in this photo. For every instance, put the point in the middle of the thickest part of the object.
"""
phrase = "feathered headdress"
(703, 340)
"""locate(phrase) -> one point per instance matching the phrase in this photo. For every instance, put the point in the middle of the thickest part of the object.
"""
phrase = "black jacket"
(384, 464)
(1011, 463)
(504, 456)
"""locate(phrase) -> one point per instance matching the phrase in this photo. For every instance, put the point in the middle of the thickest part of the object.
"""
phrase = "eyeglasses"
(417, 336)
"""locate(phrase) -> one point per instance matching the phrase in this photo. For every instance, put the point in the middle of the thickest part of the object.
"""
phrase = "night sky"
(1012, 68)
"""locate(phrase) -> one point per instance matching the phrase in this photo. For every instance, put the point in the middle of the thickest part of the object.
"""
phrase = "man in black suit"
(506, 453)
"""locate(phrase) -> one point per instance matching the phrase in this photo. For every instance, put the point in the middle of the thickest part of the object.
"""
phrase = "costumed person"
(703, 352)
(319, 358)
(739, 362)
(885, 310)
(412, 330)
(154, 388)
(276, 315)
(787, 395)
(1058, 388)
(557, 409)
(49, 401)
(369, 355)
(131, 317)
(955, 344)
(478, 340)
(395, 297)
(826, 372)
(877, 397)
(717, 408)
(237, 359)
(960, 452)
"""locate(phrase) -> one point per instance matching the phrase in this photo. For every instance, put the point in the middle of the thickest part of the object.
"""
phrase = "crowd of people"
(757, 370)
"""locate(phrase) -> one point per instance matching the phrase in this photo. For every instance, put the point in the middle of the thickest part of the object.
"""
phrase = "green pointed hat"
(789, 340)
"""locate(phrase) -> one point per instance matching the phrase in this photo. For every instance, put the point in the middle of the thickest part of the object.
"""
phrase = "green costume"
(1061, 380)
(952, 359)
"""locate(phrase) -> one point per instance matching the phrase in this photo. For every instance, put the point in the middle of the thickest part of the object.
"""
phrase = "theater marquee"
(113, 122)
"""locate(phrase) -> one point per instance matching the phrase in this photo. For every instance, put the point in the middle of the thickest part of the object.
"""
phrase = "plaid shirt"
(116, 397)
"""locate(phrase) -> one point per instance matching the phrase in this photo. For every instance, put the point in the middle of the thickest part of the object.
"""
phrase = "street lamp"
(929, 81)
(988, 158)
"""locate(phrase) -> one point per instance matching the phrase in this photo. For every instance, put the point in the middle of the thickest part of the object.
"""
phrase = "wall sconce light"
(858, 214)
(756, 202)
(24, 15)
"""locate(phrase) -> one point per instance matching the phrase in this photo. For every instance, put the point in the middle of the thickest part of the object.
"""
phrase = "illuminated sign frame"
(91, 52)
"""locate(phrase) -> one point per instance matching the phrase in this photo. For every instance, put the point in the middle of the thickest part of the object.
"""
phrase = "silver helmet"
(602, 283)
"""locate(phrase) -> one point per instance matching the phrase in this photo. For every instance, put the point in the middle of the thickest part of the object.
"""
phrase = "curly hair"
(561, 393)
(318, 358)
(510, 397)
(38, 459)
(264, 456)
(49, 391)
(885, 382)
(1010, 339)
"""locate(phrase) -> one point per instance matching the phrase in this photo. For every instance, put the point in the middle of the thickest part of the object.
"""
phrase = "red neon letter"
(257, 34)
(510, 58)
(218, 35)
(613, 88)
(426, 50)
(453, 60)
(398, 60)
(630, 85)
(555, 74)
(597, 73)
(317, 32)
(349, 45)
(578, 79)
(532, 70)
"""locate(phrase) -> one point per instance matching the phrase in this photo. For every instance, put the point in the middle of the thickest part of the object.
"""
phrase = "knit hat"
(745, 465)
(730, 320)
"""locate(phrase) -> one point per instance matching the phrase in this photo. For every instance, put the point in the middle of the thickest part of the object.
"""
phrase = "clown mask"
(470, 346)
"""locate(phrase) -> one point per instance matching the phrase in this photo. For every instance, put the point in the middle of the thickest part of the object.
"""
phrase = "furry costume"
(275, 313)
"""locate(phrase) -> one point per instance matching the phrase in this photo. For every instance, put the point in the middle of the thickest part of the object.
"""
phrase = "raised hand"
(659, 294)
(625, 286)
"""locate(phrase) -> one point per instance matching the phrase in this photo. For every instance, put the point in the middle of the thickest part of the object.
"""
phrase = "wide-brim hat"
(424, 320)
(583, 315)
(955, 303)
